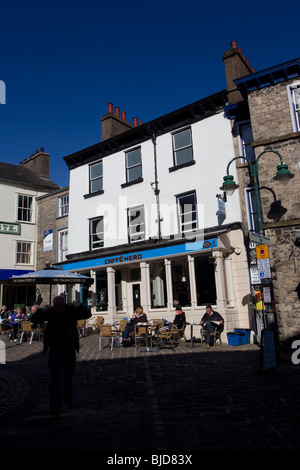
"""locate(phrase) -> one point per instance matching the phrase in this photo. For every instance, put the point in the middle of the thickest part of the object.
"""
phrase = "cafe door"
(136, 295)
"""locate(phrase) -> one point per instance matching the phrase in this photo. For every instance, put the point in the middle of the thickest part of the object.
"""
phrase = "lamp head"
(229, 185)
(283, 174)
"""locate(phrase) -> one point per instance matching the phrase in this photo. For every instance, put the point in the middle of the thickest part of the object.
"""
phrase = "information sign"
(263, 266)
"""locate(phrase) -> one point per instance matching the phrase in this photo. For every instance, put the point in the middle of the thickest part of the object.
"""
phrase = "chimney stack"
(39, 162)
(114, 124)
(236, 66)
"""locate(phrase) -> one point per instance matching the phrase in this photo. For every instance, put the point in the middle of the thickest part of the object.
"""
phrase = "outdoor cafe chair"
(81, 325)
(6, 329)
(215, 335)
(27, 327)
(111, 332)
(164, 336)
(141, 331)
(95, 323)
(180, 333)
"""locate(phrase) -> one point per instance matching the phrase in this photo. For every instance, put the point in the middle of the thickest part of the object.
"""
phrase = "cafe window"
(101, 291)
(158, 285)
(180, 282)
(205, 280)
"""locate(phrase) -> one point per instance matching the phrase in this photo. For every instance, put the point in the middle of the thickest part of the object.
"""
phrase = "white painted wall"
(213, 149)
(8, 213)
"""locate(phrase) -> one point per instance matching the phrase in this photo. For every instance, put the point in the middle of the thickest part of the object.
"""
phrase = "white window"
(24, 253)
(25, 208)
(245, 141)
(187, 212)
(96, 233)
(63, 205)
(62, 245)
(294, 100)
(133, 165)
(136, 224)
(96, 177)
(182, 147)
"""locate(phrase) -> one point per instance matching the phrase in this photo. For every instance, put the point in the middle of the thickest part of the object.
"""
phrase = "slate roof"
(18, 174)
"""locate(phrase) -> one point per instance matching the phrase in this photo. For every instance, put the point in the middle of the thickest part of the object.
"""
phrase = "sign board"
(263, 266)
(262, 252)
(10, 228)
(267, 295)
(48, 240)
(254, 276)
(221, 207)
(257, 238)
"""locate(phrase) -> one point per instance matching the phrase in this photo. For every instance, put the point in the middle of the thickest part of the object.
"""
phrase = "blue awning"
(7, 273)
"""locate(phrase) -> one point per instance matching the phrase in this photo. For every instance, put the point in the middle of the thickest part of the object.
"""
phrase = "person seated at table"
(179, 319)
(16, 319)
(34, 310)
(138, 317)
(207, 320)
(4, 317)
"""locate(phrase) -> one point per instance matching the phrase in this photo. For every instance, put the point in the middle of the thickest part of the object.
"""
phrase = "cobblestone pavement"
(189, 400)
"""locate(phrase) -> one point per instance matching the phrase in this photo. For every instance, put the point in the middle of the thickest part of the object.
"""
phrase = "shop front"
(193, 273)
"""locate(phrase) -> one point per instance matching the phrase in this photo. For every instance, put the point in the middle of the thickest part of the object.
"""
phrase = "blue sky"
(63, 61)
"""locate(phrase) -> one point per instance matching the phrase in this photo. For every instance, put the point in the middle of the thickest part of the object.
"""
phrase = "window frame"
(127, 167)
(91, 180)
(176, 150)
(295, 114)
(96, 220)
(180, 215)
(22, 208)
(243, 145)
(61, 256)
(129, 225)
(62, 209)
(24, 253)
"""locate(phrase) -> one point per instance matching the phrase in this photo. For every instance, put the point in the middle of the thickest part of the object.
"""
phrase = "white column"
(145, 287)
(192, 279)
(219, 278)
(93, 291)
(169, 284)
(111, 292)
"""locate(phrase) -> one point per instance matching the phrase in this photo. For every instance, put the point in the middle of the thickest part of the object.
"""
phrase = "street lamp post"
(283, 175)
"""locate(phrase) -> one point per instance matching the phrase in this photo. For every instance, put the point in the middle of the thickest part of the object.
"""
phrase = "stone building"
(20, 185)
(52, 245)
(264, 110)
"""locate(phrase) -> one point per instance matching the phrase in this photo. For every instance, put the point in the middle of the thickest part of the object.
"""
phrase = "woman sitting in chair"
(139, 316)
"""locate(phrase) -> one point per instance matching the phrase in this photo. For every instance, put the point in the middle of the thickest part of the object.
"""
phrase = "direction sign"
(257, 238)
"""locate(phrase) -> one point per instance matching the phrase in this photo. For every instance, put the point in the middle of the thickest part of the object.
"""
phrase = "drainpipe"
(156, 189)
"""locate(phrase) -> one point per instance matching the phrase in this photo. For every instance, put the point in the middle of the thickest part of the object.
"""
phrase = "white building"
(145, 220)
(20, 186)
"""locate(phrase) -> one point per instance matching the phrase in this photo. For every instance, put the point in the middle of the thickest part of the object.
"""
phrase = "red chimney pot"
(124, 115)
(110, 107)
(117, 109)
(234, 45)
(135, 121)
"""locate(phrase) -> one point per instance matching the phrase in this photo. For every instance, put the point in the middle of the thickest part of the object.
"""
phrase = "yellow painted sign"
(262, 252)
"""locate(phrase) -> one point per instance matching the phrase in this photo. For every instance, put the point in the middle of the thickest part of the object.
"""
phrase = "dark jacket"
(61, 332)
(141, 319)
(215, 316)
(179, 320)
